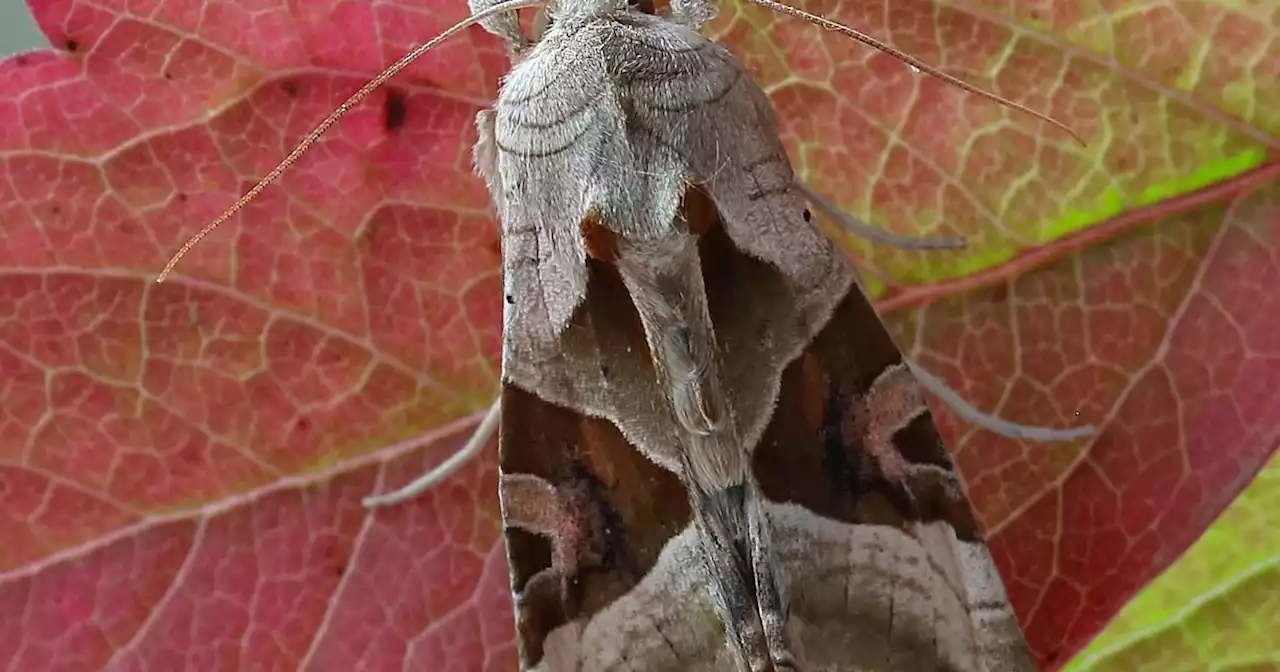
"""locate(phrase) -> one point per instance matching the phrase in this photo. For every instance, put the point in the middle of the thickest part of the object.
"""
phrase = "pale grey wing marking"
(549, 128)
(484, 156)
(527, 340)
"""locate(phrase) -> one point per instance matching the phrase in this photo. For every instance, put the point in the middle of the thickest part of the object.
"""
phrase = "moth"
(712, 455)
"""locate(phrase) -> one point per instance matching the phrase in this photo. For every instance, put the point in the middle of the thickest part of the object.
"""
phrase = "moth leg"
(445, 469)
(773, 596)
(868, 232)
(936, 385)
(727, 551)
(893, 401)
(1006, 428)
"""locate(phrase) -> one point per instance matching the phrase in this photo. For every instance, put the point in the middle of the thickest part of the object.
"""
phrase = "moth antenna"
(912, 61)
(391, 71)
(445, 469)
(1000, 426)
(863, 230)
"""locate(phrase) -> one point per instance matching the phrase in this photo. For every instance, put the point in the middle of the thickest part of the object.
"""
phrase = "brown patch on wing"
(697, 210)
(585, 514)
(832, 445)
(601, 243)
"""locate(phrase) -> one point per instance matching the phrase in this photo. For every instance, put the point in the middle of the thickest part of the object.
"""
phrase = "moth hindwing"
(712, 455)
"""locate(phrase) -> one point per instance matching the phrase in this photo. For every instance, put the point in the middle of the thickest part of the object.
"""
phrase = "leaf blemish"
(72, 45)
(394, 111)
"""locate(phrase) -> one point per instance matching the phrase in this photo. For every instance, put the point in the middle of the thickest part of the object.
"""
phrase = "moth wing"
(887, 568)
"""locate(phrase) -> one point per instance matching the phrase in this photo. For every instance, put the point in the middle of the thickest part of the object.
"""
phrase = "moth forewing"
(712, 455)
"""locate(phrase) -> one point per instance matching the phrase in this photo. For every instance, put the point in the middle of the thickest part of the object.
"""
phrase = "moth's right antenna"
(391, 71)
(912, 61)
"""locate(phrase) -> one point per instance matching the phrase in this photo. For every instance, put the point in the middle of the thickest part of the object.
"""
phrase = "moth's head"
(523, 29)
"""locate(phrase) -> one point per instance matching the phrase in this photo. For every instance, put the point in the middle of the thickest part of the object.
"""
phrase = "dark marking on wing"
(697, 210)
(837, 461)
(806, 454)
(830, 471)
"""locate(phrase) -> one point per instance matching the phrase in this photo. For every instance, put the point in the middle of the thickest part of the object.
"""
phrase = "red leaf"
(1168, 337)
(183, 463)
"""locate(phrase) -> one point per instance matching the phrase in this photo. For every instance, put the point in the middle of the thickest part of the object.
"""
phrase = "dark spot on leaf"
(1051, 656)
(72, 45)
(511, 299)
(21, 60)
(394, 110)
(340, 569)
(191, 454)
(1000, 293)
(303, 424)
(182, 198)
(168, 75)
(289, 87)
(604, 372)
(807, 215)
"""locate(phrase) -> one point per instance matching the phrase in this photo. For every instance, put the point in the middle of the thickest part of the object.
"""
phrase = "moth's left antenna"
(391, 71)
